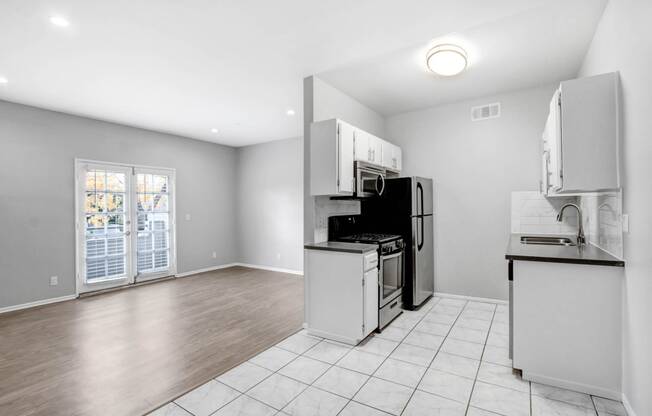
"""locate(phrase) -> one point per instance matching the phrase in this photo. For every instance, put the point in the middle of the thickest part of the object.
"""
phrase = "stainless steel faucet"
(580, 229)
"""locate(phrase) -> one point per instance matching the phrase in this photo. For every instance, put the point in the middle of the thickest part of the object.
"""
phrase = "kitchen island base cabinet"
(567, 324)
(341, 294)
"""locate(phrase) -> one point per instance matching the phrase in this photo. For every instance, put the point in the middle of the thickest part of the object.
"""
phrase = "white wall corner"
(628, 406)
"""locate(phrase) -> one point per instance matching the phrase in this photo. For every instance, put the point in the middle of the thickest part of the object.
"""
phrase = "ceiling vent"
(484, 112)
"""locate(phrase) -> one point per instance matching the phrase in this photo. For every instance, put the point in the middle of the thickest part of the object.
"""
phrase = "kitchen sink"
(548, 241)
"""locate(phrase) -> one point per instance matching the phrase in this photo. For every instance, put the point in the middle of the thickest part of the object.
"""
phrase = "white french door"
(125, 224)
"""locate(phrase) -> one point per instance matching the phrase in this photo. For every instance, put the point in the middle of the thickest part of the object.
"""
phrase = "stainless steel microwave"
(369, 180)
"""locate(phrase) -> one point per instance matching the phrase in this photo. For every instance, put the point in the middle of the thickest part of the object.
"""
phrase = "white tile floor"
(449, 358)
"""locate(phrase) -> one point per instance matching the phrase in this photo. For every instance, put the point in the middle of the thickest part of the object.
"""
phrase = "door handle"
(382, 188)
(420, 198)
(420, 241)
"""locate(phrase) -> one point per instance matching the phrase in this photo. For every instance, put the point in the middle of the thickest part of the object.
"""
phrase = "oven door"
(390, 277)
(369, 181)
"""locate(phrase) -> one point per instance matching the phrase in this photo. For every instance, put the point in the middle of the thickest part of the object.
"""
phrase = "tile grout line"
(174, 401)
(274, 372)
(437, 352)
(320, 340)
(530, 385)
(386, 358)
(475, 379)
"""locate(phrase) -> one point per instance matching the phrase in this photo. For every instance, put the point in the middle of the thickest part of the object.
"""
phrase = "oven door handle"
(391, 256)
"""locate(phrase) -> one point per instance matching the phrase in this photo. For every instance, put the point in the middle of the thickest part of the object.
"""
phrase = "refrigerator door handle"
(420, 241)
(421, 197)
(420, 214)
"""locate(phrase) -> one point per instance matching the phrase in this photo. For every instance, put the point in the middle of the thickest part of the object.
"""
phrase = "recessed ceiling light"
(59, 21)
(446, 60)
(214, 130)
(3, 80)
(290, 112)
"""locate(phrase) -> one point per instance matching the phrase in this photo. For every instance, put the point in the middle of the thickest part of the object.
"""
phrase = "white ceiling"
(185, 67)
(535, 47)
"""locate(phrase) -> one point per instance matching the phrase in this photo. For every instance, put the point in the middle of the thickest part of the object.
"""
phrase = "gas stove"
(371, 238)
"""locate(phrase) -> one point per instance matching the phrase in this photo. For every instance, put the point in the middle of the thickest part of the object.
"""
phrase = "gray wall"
(37, 154)
(474, 166)
(269, 200)
(623, 42)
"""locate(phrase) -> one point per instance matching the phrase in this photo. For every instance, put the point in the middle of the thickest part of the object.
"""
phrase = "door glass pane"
(144, 202)
(115, 202)
(115, 182)
(105, 255)
(391, 275)
(160, 203)
(153, 200)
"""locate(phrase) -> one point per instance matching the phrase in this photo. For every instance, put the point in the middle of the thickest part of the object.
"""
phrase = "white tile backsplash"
(326, 207)
(603, 221)
(533, 213)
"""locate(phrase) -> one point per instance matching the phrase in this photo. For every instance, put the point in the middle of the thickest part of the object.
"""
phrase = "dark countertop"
(342, 246)
(589, 254)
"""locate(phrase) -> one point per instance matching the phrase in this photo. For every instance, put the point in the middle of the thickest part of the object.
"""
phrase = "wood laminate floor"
(127, 352)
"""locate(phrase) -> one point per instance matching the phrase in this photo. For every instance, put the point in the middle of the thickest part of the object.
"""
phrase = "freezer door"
(421, 196)
(423, 284)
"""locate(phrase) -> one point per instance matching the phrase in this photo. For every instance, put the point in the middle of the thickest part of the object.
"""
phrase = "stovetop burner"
(370, 238)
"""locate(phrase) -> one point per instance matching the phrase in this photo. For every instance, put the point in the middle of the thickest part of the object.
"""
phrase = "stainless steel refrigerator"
(406, 208)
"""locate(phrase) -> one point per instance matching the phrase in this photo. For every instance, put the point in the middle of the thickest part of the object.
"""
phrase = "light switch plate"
(54, 280)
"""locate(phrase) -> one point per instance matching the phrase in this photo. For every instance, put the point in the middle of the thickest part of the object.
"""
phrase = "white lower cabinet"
(341, 294)
(567, 325)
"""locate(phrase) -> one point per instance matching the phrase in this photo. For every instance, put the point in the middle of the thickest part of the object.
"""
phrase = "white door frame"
(131, 265)
(172, 270)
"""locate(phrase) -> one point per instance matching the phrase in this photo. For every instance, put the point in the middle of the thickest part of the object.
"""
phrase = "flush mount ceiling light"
(59, 21)
(3, 80)
(290, 112)
(446, 60)
(214, 130)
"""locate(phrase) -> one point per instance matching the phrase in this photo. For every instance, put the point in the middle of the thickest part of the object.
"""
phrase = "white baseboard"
(628, 407)
(205, 269)
(471, 298)
(252, 266)
(270, 268)
(36, 303)
(571, 385)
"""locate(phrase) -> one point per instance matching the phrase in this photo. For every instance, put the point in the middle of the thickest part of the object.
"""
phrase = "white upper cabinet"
(334, 147)
(368, 148)
(391, 156)
(581, 137)
(331, 158)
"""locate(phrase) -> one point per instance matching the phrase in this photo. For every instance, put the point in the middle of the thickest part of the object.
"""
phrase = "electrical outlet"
(187, 217)
(215, 254)
(54, 280)
(278, 256)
